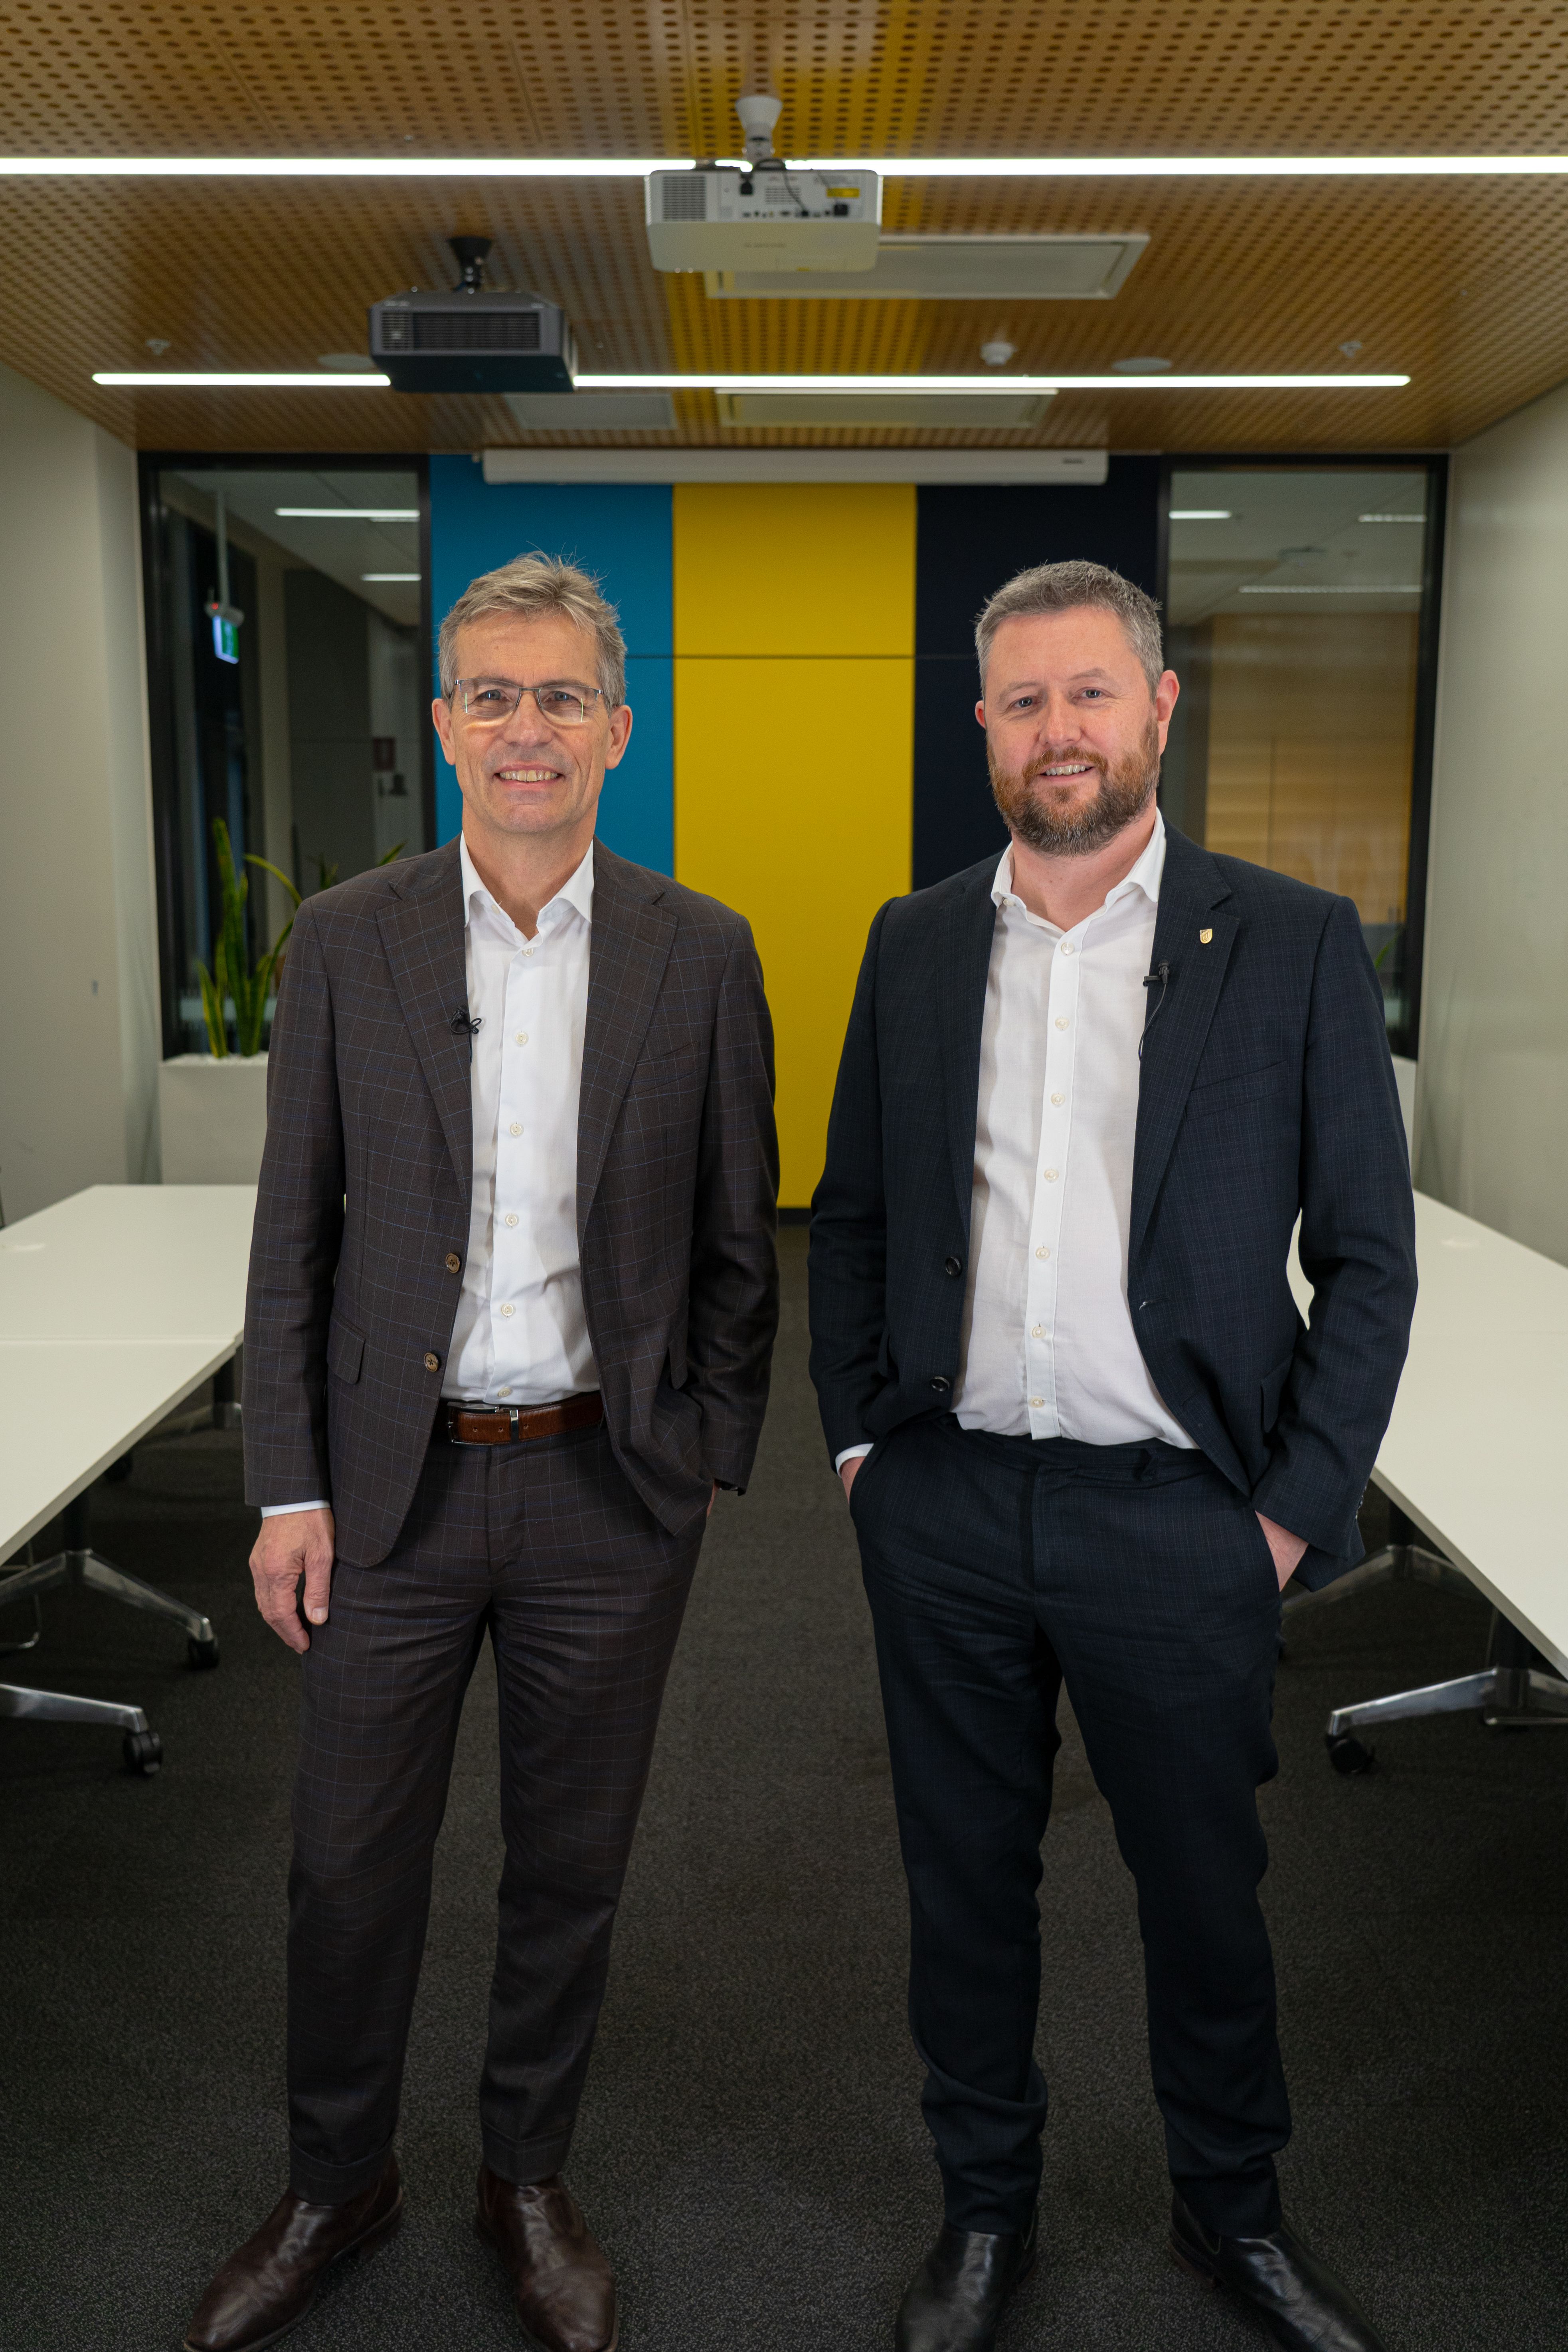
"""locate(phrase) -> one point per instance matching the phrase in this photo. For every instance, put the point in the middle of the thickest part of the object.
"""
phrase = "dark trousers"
(547, 1547)
(997, 1569)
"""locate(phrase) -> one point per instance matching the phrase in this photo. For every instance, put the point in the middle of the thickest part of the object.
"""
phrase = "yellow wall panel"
(802, 819)
(794, 613)
(786, 568)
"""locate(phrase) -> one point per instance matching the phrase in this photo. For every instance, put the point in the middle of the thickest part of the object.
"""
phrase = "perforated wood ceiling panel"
(1461, 282)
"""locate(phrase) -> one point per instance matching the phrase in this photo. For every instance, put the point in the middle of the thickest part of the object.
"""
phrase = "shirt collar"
(577, 892)
(1145, 875)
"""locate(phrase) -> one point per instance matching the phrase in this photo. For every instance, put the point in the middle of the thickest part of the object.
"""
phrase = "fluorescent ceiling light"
(1347, 588)
(389, 575)
(1006, 385)
(349, 514)
(893, 167)
(1391, 518)
(213, 379)
(1180, 514)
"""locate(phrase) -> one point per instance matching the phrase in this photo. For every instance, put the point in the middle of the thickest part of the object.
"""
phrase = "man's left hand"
(1285, 1548)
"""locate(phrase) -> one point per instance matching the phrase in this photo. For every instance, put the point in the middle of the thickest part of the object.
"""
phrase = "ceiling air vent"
(1053, 269)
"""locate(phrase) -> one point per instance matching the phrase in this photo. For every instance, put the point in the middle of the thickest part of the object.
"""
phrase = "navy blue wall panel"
(969, 542)
(621, 533)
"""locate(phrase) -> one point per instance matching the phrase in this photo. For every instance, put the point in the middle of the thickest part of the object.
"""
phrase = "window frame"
(1405, 1039)
(156, 605)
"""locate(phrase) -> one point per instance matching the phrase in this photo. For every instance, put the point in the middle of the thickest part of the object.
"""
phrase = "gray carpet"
(751, 2149)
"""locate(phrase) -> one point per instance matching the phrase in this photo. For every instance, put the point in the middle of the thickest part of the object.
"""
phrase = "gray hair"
(530, 586)
(1062, 588)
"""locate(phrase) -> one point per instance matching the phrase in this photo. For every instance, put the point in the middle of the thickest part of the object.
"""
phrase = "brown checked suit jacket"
(362, 1219)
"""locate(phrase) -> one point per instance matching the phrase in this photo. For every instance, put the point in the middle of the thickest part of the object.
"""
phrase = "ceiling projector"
(764, 214)
(471, 339)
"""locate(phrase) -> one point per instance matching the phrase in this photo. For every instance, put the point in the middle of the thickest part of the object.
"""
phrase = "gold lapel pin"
(1203, 938)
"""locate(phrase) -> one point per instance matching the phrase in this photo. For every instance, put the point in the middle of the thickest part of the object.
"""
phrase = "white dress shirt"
(520, 1337)
(1048, 1349)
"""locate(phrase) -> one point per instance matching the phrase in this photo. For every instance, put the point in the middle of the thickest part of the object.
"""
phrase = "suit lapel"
(1192, 888)
(633, 932)
(422, 933)
(969, 927)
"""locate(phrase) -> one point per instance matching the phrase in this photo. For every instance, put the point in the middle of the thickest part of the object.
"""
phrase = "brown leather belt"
(502, 1425)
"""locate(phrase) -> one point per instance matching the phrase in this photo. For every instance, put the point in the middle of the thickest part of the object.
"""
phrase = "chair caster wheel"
(1348, 1755)
(202, 1654)
(143, 1753)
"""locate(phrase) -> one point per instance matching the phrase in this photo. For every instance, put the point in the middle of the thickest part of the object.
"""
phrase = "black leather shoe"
(955, 2298)
(1281, 2282)
(267, 2285)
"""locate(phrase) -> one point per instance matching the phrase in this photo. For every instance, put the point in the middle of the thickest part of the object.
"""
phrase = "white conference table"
(1470, 1457)
(115, 1305)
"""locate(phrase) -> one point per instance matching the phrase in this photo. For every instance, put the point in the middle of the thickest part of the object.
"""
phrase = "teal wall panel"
(621, 533)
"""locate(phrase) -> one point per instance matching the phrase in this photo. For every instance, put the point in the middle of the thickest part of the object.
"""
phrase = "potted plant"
(213, 1105)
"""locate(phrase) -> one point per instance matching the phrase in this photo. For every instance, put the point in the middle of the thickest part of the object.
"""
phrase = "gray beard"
(1124, 793)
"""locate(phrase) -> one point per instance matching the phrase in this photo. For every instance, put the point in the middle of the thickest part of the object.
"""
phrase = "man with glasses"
(512, 1300)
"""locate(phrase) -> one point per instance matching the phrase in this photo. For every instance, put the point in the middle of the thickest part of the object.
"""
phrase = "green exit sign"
(225, 638)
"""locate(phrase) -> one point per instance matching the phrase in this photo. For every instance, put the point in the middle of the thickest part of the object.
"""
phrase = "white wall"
(1494, 1024)
(79, 1036)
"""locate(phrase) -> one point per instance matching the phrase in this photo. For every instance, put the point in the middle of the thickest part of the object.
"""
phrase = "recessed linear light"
(349, 514)
(1004, 386)
(1008, 386)
(389, 575)
(215, 380)
(1407, 517)
(1182, 514)
(894, 167)
(1346, 588)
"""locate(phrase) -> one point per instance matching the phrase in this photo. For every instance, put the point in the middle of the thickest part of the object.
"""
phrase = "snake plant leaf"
(212, 1014)
(275, 871)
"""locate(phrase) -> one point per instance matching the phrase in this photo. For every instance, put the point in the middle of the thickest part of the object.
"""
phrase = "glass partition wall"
(1300, 618)
(288, 690)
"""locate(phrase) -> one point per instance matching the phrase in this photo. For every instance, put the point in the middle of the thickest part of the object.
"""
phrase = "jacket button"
(952, 1265)
(432, 1363)
(940, 1385)
(454, 1262)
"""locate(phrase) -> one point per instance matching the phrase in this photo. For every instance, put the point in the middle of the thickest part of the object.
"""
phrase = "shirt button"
(454, 1262)
(1061, 1021)
(432, 1363)
(1035, 1404)
(515, 1128)
(1050, 1174)
(503, 1393)
(508, 1310)
(1039, 1331)
(1067, 946)
(511, 1217)
(1058, 1100)
(523, 1037)
(528, 951)
(1042, 1251)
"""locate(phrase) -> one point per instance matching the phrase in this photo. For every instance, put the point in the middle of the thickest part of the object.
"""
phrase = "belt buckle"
(490, 1412)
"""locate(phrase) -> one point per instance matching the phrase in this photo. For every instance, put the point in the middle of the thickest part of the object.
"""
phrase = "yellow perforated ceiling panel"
(1460, 282)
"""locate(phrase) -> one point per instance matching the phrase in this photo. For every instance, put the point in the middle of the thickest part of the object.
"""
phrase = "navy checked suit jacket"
(367, 1179)
(1267, 1089)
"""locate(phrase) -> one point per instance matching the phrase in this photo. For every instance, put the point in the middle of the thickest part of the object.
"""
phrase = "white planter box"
(214, 1118)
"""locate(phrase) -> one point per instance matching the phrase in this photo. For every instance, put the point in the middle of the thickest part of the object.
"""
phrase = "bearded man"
(1085, 1435)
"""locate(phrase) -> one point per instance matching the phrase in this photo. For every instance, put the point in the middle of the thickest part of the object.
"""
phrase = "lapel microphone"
(1162, 972)
(462, 1026)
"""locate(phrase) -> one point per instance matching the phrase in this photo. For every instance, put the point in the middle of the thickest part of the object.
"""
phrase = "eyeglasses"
(487, 700)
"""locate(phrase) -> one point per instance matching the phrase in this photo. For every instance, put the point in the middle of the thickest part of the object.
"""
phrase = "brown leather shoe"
(267, 2285)
(566, 2289)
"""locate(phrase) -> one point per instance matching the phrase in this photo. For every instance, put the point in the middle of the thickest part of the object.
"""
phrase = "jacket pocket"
(1241, 1085)
(345, 1353)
